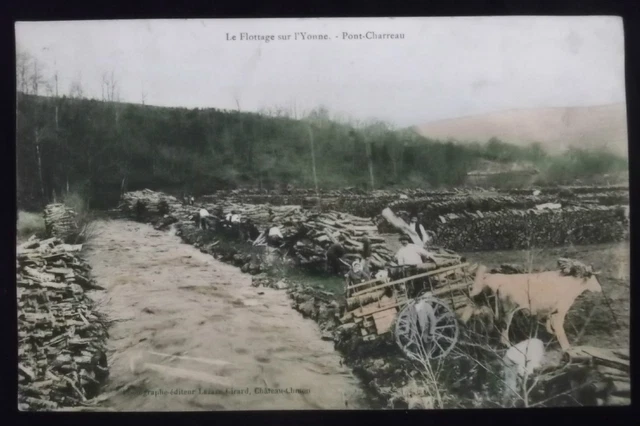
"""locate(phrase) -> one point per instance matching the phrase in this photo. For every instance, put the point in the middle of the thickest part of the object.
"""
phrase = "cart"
(417, 304)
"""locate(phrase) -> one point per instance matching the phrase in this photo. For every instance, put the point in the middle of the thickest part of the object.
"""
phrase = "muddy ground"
(169, 298)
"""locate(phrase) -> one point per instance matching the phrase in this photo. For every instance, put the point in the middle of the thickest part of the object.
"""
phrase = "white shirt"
(235, 218)
(411, 255)
(275, 232)
(204, 213)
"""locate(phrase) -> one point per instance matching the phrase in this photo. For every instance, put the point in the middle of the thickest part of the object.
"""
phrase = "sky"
(443, 68)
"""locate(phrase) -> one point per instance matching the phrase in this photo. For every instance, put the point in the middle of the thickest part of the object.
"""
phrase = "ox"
(548, 295)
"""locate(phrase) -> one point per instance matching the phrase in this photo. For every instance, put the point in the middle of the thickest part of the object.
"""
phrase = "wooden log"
(364, 299)
(617, 400)
(610, 371)
(401, 225)
(621, 387)
(605, 357)
(403, 280)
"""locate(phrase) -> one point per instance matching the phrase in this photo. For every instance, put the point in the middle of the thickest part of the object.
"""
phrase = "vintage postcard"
(296, 214)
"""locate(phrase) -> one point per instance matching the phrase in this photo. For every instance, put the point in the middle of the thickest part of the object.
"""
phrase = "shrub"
(29, 224)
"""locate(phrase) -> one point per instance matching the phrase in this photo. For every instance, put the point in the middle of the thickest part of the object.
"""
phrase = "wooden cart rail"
(403, 280)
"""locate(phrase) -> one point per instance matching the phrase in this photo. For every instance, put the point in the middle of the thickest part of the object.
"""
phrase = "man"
(419, 229)
(235, 218)
(411, 254)
(366, 253)
(275, 236)
(334, 255)
(357, 275)
(202, 218)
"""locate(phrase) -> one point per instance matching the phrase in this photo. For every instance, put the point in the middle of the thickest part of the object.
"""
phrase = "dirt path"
(171, 299)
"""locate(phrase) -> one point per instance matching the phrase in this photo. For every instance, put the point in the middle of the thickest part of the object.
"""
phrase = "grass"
(326, 282)
(29, 224)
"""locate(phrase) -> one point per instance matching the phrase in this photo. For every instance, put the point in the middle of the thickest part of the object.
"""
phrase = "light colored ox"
(547, 295)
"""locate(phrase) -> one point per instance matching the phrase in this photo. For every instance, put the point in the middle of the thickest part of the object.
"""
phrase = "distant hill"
(556, 128)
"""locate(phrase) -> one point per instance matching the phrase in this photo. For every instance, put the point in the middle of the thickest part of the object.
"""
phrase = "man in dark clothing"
(366, 254)
(334, 254)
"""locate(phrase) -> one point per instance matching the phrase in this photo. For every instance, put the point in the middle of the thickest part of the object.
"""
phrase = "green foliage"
(98, 149)
(580, 164)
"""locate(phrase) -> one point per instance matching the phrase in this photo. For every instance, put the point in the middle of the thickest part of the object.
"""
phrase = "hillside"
(99, 149)
(555, 128)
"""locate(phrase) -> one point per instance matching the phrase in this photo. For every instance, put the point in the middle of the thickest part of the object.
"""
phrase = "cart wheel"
(426, 329)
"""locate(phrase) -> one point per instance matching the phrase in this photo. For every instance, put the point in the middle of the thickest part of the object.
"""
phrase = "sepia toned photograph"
(322, 214)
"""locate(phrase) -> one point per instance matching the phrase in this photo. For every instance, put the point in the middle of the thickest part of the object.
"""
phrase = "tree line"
(101, 147)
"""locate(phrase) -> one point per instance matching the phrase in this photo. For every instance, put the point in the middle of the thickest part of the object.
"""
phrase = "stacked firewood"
(311, 232)
(321, 230)
(567, 189)
(288, 218)
(147, 203)
(430, 208)
(308, 232)
(611, 382)
(574, 268)
(569, 267)
(60, 221)
(61, 339)
(521, 229)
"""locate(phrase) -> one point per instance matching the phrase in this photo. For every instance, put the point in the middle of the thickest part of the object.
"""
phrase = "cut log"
(353, 302)
(401, 225)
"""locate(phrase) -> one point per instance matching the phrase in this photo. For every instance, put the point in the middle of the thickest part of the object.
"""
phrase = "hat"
(405, 238)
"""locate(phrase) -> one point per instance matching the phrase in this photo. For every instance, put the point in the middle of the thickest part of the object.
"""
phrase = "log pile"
(60, 221)
(509, 268)
(612, 383)
(574, 189)
(61, 339)
(428, 202)
(430, 208)
(307, 232)
(521, 229)
(311, 232)
(289, 218)
(574, 268)
(148, 203)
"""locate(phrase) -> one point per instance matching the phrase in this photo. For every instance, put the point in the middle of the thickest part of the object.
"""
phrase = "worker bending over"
(334, 255)
(366, 254)
(233, 217)
(412, 254)
(202, 218)
(274, 236)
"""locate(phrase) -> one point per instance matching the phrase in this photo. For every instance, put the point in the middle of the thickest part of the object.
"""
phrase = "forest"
(100, 148)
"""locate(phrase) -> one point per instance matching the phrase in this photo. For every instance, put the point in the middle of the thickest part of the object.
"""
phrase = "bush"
(84, 217)
(29, 224)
